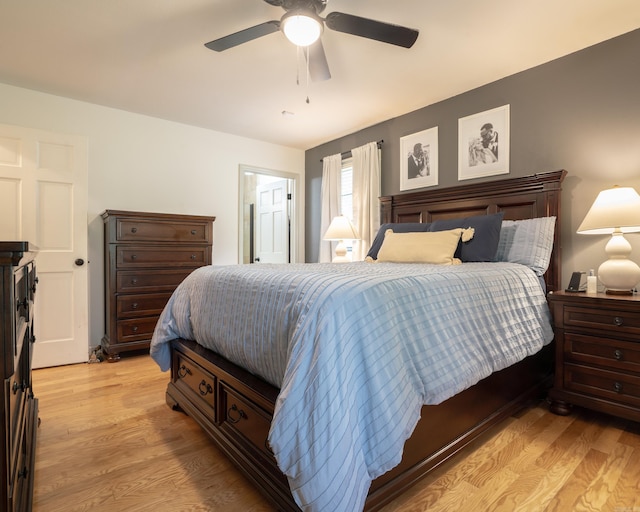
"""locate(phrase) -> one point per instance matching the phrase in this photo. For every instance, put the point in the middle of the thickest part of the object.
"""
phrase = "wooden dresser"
(19, 407)
(146, 256)
(597, 353)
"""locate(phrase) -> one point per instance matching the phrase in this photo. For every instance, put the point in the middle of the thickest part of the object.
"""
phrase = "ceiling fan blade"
(243, 36)
(318, 66)
(371, 29)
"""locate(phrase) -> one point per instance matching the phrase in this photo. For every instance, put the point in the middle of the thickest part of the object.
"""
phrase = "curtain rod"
(347, 154)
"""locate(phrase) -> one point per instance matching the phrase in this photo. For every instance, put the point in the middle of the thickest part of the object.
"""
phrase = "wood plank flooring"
(108, 442)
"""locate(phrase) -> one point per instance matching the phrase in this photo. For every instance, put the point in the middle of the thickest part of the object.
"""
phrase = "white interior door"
(272, 222)
(43, 199)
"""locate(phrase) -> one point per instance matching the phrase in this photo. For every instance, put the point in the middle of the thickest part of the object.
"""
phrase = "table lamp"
(340, 230)
(615, 211)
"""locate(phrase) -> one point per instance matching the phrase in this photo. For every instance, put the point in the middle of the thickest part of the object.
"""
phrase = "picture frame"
(419, 159)
(483, 144)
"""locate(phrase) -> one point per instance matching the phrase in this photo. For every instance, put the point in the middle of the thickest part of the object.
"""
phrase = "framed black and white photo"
(419, 159)
(483, 144)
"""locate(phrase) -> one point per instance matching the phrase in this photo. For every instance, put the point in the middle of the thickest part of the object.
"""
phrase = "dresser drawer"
(139, 256)
(136, 329)
(197, 382)
(157, 230)
(613, 386)
(602, 351)
(614, 321)
(239, 414)
(149, 280)
(141, 305)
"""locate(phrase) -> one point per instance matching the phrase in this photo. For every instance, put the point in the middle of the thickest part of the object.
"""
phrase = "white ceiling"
(148, 56)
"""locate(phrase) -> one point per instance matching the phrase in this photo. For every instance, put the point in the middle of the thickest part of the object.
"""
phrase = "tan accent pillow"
(435, 247)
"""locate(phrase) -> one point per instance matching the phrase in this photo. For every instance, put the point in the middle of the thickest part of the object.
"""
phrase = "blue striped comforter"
(356, 349)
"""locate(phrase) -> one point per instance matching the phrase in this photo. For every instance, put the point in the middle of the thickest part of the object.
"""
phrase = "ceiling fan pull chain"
(298, 48)
(308, 80)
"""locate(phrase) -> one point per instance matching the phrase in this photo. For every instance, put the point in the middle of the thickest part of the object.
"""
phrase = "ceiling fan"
(303, 26)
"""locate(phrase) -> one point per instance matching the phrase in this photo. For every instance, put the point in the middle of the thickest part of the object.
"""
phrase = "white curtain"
(366, 193)
(330, 197)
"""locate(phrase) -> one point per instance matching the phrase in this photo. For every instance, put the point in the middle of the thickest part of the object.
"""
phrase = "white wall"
(146, 164)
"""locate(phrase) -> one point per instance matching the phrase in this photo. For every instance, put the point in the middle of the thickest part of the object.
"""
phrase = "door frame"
(295, 206)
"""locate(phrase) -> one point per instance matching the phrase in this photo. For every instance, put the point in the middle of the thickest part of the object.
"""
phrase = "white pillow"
(435, 247)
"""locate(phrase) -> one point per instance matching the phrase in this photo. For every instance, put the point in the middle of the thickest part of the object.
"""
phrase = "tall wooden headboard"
(537, 195)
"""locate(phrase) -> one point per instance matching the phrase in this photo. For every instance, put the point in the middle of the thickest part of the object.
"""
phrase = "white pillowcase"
(435, 247)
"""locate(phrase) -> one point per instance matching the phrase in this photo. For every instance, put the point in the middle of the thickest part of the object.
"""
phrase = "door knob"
(79, 262)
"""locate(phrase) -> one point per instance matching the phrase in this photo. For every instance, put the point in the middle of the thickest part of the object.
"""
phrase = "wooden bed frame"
(235, 407)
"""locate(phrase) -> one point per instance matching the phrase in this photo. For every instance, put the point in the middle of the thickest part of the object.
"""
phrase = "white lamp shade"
(341, 229)
(617, 207)
(301, 28)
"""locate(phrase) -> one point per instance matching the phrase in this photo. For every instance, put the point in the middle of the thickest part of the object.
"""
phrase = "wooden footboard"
(235, 409)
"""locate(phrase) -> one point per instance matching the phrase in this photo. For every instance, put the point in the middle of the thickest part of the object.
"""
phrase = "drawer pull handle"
(134, 305)
(134, 281)
(134, 230)
(16, 387)
(617, 321)
(618, 355)
(22, 304)
(193, 256)
(617, 387)
(183, 371)
(234, 415)
(134, 328)
(193, 231)
(205, 388)
(134, 256)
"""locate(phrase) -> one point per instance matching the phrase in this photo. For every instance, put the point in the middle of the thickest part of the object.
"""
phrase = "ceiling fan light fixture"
(301, 28)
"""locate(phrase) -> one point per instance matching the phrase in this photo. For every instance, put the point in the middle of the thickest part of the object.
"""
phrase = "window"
(346, 189)
(346, 197)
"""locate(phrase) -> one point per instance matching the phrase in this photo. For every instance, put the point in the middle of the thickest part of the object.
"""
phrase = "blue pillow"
(528, 242)
(400, 227)
(484, 244)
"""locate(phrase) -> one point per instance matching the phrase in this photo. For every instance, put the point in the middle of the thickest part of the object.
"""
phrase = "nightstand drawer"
(601, 351)
(609, 385)
(615, 321)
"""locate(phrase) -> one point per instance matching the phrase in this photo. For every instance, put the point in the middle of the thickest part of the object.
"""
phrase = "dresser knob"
(134, 328)
(618, 355)
(193, 231)
(617, 387)
(134, 281)
(617, 321)
(134, 256)
(193, 256)
(134, 305)
(134, 230)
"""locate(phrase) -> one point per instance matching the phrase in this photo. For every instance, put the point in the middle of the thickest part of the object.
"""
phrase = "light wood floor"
(108, 442)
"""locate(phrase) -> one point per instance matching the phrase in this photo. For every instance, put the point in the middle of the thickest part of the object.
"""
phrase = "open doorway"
(267, 216)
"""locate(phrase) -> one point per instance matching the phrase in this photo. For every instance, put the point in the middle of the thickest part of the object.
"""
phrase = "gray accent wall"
(580, 112)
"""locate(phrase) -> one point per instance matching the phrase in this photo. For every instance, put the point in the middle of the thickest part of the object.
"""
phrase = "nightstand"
(597, 353)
